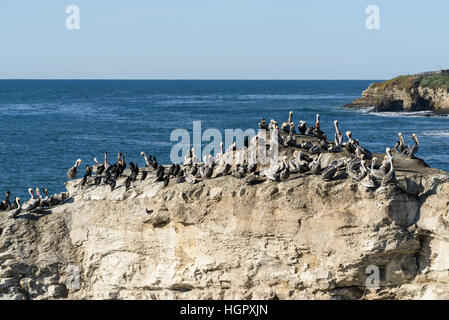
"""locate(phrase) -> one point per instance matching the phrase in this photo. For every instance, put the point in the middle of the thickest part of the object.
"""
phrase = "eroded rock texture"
(221, 239)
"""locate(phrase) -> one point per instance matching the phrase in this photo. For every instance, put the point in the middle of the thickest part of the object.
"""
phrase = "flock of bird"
(244, 164)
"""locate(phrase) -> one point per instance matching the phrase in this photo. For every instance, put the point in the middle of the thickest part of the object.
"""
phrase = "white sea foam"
(416, 114)
(436, 133)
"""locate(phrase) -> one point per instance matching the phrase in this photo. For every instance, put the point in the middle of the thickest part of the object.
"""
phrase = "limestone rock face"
(403, 94)
(221, 239)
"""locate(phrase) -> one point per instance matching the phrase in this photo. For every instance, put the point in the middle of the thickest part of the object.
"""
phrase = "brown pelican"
(181, 177)
(250, 179)
(368, 181)
(306, 145)
(315, 150)
(390, 176)
(147, 159)
(191, 179)
(106, 162)
(411, 150)
(219, 158)
(71, 173)
(402, 145)
(315, 166)
(226, 169)
(285, 126)
(315, 131)
(329, 172)
(32, 203)
(350, 146)
(302, 127)
(238, 172)
(273, 173)
(98, 167)
(353, 173)
(396, 147)
(291, 139)
(18, 209)
(295, 165)
(45, 202)
(324, 145)
(361, 150)
(338, 139)
(376, 173)
(121, 161)
(285, 173)
(273, 125)
(339, 163)
(252, 161)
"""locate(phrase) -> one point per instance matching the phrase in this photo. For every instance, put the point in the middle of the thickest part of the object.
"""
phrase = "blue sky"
(222, 39)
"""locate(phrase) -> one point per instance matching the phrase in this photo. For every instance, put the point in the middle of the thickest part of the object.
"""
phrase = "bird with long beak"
(317, 123)
(411, 150)
(38, 194)
(18, 210)
(415, 138)
(402, 145)
(338, 135)
(32, 203)
(71, 173)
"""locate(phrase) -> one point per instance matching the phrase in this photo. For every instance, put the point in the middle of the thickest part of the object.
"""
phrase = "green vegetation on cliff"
(432, 80)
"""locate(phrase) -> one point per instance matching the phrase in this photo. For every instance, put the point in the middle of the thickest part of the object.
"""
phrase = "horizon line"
(175, 79)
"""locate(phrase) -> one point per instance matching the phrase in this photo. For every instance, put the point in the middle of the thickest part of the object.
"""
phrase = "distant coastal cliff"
(421, 92)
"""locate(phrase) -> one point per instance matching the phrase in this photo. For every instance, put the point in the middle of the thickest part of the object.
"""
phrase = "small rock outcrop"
(221, 239)
(422, 92)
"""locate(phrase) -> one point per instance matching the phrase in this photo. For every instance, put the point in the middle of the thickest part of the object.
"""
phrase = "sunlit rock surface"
(222, 239)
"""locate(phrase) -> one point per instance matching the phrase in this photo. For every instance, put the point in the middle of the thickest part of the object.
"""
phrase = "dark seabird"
(302, 127)
(128, 183)
(112, 184)
(329, 172)
(97, 181)
(166, 180)
(263, 125)
(5, 205)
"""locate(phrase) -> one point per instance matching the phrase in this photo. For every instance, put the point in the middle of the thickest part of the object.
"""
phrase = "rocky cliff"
(221, 239)
(424, 92)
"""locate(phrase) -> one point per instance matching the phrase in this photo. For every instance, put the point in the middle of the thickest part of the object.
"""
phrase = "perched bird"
(148, 161)
(97, 181)
(329, 172)
(112, 183)
(18, 209)
(71, 173)
(166, 180)
(5, 205)
(127, 183)
(144, 175)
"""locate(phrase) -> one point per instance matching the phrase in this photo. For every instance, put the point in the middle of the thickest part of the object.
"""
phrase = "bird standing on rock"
(71, 173)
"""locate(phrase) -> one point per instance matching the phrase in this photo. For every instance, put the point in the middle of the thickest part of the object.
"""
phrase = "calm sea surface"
(46, 125)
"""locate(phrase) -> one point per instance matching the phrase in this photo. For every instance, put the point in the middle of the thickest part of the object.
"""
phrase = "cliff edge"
(221, 239)
(422, 92)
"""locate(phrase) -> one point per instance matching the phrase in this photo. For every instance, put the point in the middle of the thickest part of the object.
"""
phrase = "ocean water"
(46, 125)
